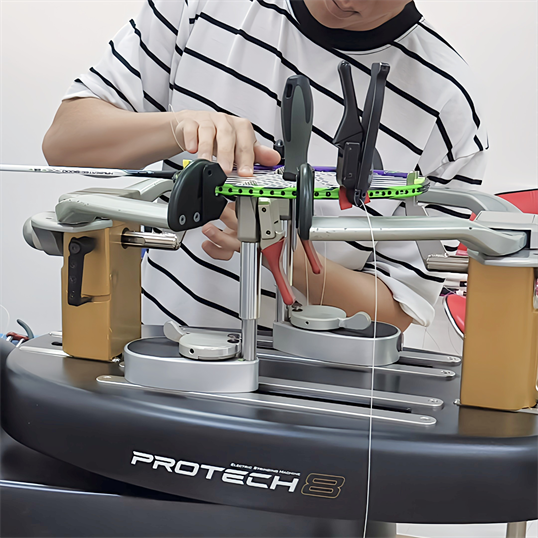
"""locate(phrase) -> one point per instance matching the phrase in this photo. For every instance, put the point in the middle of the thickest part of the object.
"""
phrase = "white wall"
(45, 44)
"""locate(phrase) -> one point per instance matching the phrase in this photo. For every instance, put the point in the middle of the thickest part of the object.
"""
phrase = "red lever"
(342, 198)
(273, 254)
(312, 256)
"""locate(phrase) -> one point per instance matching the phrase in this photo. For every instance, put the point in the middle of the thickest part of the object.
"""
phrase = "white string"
(325, 269)
(306, 278)
(8, 319)
(368, 478)
(171, 109)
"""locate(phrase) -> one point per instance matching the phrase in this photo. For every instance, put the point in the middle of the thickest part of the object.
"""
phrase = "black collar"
(355, 40)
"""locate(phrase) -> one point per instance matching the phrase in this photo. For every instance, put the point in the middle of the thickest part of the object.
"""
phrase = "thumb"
(265, 156)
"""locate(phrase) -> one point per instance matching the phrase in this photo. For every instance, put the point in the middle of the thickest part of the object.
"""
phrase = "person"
(207, 76)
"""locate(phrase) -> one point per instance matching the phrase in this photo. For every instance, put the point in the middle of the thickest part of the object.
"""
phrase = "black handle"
(193, 201)
(305, 200)
(350, 128)
(355, 139)
(78, 248)
(297, 115)
(371, 120)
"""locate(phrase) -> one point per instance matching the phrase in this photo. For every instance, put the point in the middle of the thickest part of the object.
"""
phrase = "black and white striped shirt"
(235, 57)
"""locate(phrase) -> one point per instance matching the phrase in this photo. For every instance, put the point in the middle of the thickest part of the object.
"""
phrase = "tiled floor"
(440, 336)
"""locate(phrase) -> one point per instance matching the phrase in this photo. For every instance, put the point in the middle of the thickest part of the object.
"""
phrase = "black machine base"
(472, 466)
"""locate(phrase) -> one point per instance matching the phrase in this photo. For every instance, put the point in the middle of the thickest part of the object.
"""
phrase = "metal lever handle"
(78, 248)
(350, 128)
(358, 322)
(297, 117)
(273, 255)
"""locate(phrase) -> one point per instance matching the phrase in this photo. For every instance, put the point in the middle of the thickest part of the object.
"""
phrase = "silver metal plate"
(338, 393)
(423, 358)
(287, 404)
(280, 356)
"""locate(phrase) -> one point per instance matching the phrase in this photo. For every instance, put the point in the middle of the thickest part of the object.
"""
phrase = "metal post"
(287, 219)
(249, 307)
(516, 530)
(249, 276)
(281, 308)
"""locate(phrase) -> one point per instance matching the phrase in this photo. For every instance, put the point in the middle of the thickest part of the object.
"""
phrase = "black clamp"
(357, 155)
(305, 200)
(297, 116)
(193, 200)
(78, 248)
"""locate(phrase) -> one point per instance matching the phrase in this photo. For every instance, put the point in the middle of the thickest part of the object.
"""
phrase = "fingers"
(226, 243)
(228, 217)
(187, 135)
(265, 155)
(216, 252)
(244, 146)
(226, 141)
(232, 139)
(206, 139)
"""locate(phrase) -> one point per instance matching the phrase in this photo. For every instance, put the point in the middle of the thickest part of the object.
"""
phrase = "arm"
(93, 132)
(349, 290)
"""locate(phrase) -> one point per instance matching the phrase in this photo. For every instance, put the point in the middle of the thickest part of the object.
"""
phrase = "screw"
(264, 209)
(433, 400)
(196, 217)
(182, 220)
(425, 418)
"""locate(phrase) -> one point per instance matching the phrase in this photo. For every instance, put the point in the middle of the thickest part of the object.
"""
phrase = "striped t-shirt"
(235, 57)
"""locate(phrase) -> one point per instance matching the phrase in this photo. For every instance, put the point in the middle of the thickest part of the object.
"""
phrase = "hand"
(222, 243)
(229, 138)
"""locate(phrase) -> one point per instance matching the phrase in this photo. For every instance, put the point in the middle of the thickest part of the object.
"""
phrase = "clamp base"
(340, 346)
(156, 362)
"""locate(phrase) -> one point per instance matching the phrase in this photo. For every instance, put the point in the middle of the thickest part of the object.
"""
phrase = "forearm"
(349, 290)
(92, 132)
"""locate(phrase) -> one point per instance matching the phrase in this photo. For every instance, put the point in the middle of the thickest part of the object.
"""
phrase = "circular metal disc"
(317, 317)
(209, 347)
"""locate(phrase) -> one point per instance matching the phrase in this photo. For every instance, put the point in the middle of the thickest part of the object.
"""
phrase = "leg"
(516, 530)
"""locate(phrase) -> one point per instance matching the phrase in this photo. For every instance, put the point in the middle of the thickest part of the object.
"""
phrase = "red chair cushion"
(526, 201)
(456, 307)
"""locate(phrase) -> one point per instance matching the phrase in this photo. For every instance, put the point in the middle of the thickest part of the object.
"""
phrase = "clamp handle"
(297, 116)
(356, 140)
(193, 201)
(273, 255)
(78, 248)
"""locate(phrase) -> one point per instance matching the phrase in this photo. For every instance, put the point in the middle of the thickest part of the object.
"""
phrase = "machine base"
(156, 362)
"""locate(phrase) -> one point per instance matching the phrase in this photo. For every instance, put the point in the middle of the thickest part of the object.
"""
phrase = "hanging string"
(369, 473)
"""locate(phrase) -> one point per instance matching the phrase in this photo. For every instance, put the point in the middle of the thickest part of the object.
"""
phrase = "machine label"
(323, 485)
(239, 474)
(316, 484)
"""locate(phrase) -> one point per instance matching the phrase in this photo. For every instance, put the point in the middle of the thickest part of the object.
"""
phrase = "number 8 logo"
(323, 485)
